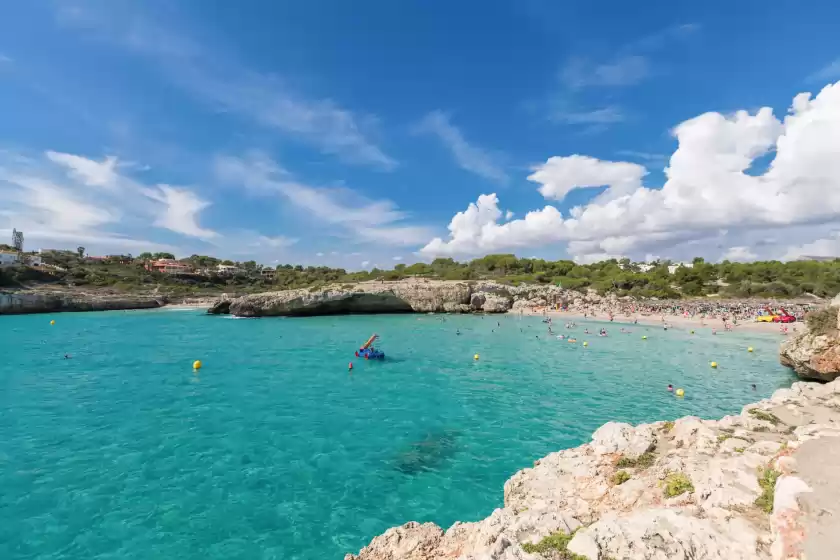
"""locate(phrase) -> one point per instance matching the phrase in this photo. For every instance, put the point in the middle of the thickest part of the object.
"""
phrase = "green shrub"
(554, 546)
(620, 478)
(643, 461)
(739, 449)
(676, 484)
(767, 480)
(668, 426)
(723, 437)
(765, 416)
(822, 321)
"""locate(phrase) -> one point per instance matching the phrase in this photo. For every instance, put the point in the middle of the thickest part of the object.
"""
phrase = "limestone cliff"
(686, 490)
(815, 353)
(408, 296)
(14, 303)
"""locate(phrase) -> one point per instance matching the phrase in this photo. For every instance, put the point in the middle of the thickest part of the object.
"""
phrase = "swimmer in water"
(753, 386)
(457, 331)
(585, 331)
(670, 388)
(67, 356)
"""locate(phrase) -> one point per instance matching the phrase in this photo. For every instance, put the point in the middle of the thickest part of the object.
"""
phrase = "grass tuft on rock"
(676, 484)
(723, 437)
(620, 478)
(765, 416)
(643, 461)
(739, 450)
(554, 546)
(767, 480)
(667, 426)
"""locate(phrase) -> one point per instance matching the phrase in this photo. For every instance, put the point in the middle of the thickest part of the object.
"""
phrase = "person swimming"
(586, 331)
(670, 388)
(753, 387)
(67, 356)
(457, 331)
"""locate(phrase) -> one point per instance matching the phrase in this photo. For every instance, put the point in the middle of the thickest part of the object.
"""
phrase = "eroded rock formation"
(409, 296)
(686, 490)
(815, 353)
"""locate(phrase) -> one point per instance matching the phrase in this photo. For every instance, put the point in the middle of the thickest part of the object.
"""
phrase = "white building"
(227, 269)
(673, 268)
(8, 259)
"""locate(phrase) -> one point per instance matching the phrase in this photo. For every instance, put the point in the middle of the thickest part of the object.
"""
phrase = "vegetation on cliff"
(659, 279)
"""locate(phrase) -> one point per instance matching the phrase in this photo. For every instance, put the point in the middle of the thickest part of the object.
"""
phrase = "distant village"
(44, 259)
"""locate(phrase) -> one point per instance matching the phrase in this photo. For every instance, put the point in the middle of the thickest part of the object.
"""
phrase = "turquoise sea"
(275, 451)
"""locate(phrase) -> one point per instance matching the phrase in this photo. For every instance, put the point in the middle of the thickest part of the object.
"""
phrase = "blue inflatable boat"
(368, 352)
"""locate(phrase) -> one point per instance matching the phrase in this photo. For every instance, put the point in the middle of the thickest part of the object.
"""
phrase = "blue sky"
(359, 133)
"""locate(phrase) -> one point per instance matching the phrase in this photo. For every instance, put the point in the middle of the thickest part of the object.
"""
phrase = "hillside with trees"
(660, 279)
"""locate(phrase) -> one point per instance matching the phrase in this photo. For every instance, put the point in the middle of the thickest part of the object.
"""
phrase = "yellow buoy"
(644, 337)
(692, 332)
(52, 322)
(713, 364)
(679, 392)
(475, 357)
(750, 349)
(586, 344)
(197, 364)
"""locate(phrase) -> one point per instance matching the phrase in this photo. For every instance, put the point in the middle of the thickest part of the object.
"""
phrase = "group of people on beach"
(729, 313)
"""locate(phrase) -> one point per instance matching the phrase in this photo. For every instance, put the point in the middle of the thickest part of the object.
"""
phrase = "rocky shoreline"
(692, 489)
(20, 303)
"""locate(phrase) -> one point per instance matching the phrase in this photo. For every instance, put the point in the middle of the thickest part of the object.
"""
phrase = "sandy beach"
(673, 321)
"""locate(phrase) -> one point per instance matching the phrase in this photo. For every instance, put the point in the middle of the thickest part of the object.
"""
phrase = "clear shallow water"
(274, 451)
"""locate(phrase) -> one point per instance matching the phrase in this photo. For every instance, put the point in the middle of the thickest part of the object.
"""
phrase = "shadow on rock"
(427, 454)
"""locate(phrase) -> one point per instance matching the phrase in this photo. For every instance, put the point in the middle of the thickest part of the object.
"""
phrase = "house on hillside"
(168, 266)
(673, 267)
(227, 269)
(268, 273)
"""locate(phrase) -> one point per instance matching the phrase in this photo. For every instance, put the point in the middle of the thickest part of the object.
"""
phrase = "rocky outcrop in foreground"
(815, 353)
(687, 490)
(14, 303)
(410, 296)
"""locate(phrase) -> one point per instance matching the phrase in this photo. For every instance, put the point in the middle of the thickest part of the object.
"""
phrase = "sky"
(369, 133)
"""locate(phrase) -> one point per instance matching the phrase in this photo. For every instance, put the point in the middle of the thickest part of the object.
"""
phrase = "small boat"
(368, 352)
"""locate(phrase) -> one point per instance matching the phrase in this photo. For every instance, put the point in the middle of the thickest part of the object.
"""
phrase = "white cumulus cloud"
(711, 190)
